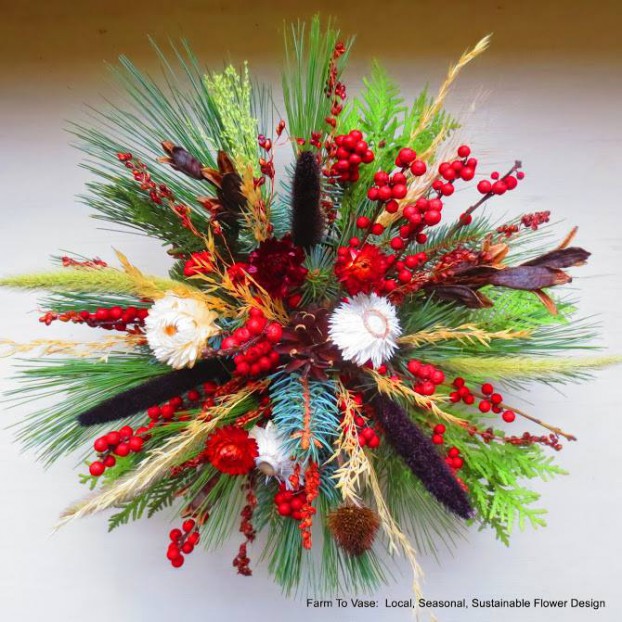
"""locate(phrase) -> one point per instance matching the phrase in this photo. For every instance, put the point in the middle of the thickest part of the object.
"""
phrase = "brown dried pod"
(353, 527)
(181, 160)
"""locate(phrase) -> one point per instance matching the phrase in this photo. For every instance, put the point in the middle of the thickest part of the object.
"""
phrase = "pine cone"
(354, 528)
(305, 341)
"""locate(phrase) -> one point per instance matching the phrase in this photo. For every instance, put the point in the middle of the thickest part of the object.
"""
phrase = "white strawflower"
(177, 329)
(273, 459)
(365, 328)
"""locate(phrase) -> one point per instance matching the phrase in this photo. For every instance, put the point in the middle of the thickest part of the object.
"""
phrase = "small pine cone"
(354, 528)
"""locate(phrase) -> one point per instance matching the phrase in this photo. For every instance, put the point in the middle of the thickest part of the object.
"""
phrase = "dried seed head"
(354, 528)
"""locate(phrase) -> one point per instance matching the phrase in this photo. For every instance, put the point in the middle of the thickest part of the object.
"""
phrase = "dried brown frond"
(48, 347)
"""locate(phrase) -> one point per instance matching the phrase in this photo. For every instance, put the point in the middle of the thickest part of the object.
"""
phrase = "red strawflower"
(276, 265)
(199, 263)
(231, 450)
(361, 269)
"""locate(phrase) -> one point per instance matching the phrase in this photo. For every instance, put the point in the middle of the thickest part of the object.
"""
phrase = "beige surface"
(548, 92)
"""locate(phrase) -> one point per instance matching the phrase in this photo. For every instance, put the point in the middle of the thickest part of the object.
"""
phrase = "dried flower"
(272, 459)
(365, 328)
(178, 328)
(361, 270)
(276, 265)
(231, 450)
(354, 528)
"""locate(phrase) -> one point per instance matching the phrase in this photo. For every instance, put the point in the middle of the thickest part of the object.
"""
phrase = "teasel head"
(353, 527)
(307, 214)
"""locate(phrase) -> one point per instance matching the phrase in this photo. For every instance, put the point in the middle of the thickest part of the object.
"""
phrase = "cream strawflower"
(178, 328)
(273, 460)
(365, 328)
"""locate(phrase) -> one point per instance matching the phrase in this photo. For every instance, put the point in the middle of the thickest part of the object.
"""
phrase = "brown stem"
(517, 164)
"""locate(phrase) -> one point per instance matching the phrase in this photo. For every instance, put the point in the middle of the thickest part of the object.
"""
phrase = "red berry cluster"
(351, 151)
(500, 185)
(388, 187)
(290, 502)
(454, 460)
(335, 90)
(166, 412)
(533, 221)
(428, 377)
(109, 318)
(116, 443)
(182, 542)
(366, 434)
(490, 401)
(253, 345)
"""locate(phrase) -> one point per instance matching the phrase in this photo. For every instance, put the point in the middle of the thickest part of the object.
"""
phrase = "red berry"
(399, 191)
(499, 187)
(464, 151)
(187, 547)
(188, 525)
(100, 444)
(453, 452)
(174, 534)
(193, 395)
(392, 207)
(520, 175)
(113, 438)
(136, 443)
(385, 193)
(373, 442)
(432, 217)
(122, 449)
(372, 194)
(381, 178)
(125, 432)
(167, 411)
(177, 562)
(511, 182)
(496, 398)
(468, 399)
(362, 222)
(397, 244)
(484, 186)
(405, 157)
(484, 406)
(377, 229)
(284, 509)
(467, 173)
(96, 468)
(437, 439)
(274, 332)
(109, 461)
(487, 388)
(458, 382)
(447, 190)
(256, 325)
(418, 168)
(439, 428)
(508, 416)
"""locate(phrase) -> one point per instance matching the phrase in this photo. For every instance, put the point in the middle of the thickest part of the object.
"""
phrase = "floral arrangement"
(333, 356)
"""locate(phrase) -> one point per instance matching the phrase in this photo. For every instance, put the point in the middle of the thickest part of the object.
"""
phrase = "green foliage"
(321, 282)
(307, 64)
(156, 498)
(78, 384)
(232, 95)
(61, 302)
(301, 406)
(493, 474)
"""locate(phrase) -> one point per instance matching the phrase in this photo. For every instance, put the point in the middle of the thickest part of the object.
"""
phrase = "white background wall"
(551, 86)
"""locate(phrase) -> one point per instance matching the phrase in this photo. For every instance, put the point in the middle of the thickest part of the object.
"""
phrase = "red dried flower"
(199, 263)
(276, 265)
(237, 272)
(231, 450)
(361, 270)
